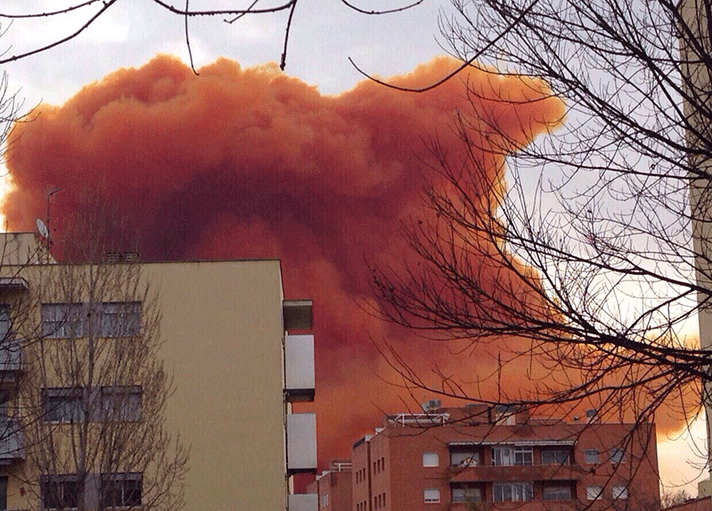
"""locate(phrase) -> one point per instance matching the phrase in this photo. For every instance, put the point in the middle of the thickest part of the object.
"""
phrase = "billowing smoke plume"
(248, 163)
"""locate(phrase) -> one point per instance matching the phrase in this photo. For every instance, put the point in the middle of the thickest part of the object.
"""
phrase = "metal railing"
(420, 419)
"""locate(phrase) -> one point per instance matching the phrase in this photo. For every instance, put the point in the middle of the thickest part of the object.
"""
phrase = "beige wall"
(697, 72)
(222, 333)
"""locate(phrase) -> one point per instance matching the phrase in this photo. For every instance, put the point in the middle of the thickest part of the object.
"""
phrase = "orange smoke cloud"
(249, 163)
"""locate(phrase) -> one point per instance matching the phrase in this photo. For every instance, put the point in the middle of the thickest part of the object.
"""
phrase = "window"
(466, 493)
(431, 459)
(108, 319)
(120, 319)
(60, 492)
(61, 320)
(63, 405)
(431, 496)
(121, 490)
(464, 459)
(523, 456)
(3, 492)
(325, 500)
(555, 457)
(4, 321)
(556, 493)
(620, 492)
(502, 456)
(593, 492)
(617, 456)
(121, 404)
(506, 456)
(512, 492)
(504, 415)
(591, 455)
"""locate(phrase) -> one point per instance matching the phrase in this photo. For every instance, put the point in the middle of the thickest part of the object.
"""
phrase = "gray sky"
(324, 34)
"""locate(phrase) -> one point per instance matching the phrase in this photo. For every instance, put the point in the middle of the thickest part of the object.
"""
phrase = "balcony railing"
(503, 473)
(299, 367)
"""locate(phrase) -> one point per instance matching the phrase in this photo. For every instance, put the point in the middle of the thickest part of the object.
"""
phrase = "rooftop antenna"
(48, 237)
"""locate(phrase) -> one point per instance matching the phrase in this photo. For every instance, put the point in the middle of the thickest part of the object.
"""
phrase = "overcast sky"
(324, 34)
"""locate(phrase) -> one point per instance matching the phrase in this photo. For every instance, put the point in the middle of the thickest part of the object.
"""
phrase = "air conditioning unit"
(432, 405)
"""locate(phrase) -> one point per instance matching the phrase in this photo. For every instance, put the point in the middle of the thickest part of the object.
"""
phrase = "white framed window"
(464, 459)
(325, 500)
(63, 405)
(502, 456)
(550, 493)
(619, 492)
(591, 456)
(593, 492)
(512, 492)
(121, 490)
(431, 459)
(617, 455)
(75, 320)
(523, 456)
(555, 457)
(431, 495)
(61, 320)
(121, 404)
(60, 491)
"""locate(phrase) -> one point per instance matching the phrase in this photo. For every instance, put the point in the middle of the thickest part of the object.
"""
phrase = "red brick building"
(444, 458)
(334, 487)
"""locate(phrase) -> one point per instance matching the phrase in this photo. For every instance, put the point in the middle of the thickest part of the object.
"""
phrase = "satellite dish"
(42, 229)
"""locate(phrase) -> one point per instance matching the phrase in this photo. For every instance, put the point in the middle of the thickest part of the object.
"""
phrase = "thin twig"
(283, 62)
(464, 65)
(187, 40)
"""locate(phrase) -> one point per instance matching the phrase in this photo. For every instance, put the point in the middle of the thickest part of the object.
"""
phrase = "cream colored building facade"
(236, 369)
(697, 78)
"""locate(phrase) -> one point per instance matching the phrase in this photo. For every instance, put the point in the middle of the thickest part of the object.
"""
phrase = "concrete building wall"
(333, 487)
(222, 333)
(222, 327)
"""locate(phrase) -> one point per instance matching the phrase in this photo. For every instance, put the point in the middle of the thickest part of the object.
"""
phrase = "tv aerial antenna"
(43, 227)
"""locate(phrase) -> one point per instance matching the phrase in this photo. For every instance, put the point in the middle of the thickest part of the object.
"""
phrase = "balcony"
(10, 284)
(12, 442)
(299, 367)
(297, 314)
(301, 443)
(303, 502)
(515, 473)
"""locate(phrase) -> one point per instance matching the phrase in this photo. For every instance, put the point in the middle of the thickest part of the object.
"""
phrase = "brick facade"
(444, 458)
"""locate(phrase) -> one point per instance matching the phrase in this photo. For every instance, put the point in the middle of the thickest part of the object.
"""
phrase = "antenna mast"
(51, 192)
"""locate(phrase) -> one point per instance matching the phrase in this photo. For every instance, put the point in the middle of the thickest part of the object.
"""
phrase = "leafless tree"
(587, 269)
(88, 406)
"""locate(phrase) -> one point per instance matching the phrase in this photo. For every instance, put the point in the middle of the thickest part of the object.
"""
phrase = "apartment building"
(445, 458)
(333, 487)
(239, 355)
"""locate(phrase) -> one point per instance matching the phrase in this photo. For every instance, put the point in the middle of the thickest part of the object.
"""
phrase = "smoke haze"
(249, 163)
